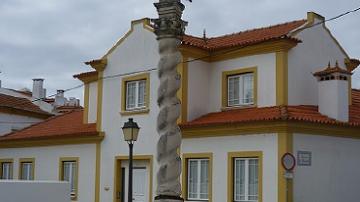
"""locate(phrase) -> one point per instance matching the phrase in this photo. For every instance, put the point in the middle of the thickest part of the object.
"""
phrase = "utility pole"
(169, 28)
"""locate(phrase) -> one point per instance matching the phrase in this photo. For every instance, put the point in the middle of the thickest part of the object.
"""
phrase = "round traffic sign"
(288, 161)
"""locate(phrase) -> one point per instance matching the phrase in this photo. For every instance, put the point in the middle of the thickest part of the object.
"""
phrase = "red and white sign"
(288, 161)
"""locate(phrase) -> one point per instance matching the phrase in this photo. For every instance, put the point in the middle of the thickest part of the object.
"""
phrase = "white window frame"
(137, 105)
(9, 170)
(199, 179)
(241, 86)
(246, 179)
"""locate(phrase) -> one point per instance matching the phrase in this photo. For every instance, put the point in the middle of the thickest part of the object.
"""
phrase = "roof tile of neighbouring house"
(19, 103)
(69, 125)
(295, 113)
(248, 37)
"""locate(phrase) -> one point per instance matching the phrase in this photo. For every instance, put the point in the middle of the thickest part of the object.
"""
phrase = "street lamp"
(130, 132)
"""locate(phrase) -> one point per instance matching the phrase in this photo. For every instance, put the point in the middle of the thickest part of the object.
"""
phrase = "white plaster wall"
(198, 89)
(334, 99)
(266, 69)
(334, 174)
(47, 164)
(313, 54)
(93, 90)
(34, 191)
(138, 52)
(220, 146)
(13, 121)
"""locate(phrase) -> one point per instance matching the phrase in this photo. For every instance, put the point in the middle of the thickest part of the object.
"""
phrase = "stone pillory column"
(169, 29)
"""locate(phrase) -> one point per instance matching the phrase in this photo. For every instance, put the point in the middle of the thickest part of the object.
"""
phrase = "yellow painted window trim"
(61, 173)
(26, 160)
(224, 86)
(230, 179)
(117, 174)
(185, 158)
(124, 111)
(12, 166)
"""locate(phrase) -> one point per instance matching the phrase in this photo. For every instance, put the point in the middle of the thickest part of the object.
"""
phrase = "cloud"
(53, 38)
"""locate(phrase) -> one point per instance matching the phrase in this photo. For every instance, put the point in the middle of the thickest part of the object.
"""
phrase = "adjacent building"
(247, 99)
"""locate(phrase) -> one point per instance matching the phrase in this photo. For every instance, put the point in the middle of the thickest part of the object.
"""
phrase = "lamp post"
(169, 28)
(130, 132)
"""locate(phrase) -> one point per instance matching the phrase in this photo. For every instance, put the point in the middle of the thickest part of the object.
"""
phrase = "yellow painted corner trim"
(224, 84)
(97, 171)
(117, 172)
(61, 172)
(230, 171)
(27, 160)
(282, 78)
(137, 77)
(184, 175)
(100, 89)
(182, 94)
(86, 103)
(12, 166)
(285, 186)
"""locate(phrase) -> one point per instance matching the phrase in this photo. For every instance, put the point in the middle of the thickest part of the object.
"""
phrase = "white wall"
(13, 121)
(47, 164)
(267, 143)
(313, 54)
(92, 102)
(198, 89)
(334, 174)
(34, 191)
(266, 70)
(138, 52)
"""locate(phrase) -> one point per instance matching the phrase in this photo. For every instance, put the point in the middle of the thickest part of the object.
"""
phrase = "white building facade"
(245, 103)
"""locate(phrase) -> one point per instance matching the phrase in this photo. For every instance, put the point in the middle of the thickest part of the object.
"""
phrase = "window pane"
(248, 97)
(239, 187)
(253, 179)
(141, 93)
(69, 174)
(6, 171)
(130, 94)
(204, 180)
(233, 90)
(193, 179)
(26, 171)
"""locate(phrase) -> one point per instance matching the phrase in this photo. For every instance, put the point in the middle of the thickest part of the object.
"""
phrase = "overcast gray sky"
(52, 38)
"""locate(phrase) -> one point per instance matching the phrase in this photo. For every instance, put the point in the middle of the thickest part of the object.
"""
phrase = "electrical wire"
(195, 59)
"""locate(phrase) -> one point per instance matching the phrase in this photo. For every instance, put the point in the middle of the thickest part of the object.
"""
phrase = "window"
(245, 176)
(197, 176)
(246, 179)
(135, 94)
(26, 169)
(6, 169)
(69, 173)
(239, 87)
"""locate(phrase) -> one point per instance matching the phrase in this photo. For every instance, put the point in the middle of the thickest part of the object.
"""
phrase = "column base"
(168, 198)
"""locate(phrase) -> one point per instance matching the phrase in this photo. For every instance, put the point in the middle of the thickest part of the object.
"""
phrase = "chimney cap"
(38, 79)
(331, 70)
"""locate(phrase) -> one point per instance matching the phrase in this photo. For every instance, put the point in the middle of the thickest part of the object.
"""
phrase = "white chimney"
(38, 89)
(333, 86)
(60, 100)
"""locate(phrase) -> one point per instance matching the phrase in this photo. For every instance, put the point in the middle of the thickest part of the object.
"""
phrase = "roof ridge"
(255, 29)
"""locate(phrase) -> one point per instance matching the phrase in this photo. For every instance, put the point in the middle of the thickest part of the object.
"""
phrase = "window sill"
(238, 107)
(135, 112)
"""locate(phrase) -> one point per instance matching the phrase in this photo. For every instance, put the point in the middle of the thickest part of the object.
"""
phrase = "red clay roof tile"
(61, 126)
(248, 37)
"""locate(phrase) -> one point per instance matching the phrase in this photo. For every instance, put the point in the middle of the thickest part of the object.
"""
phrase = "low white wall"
(8, 122)
(334, 172)
(34, 191)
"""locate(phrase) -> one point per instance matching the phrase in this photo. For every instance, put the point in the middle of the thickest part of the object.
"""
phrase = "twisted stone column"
(169, 28)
